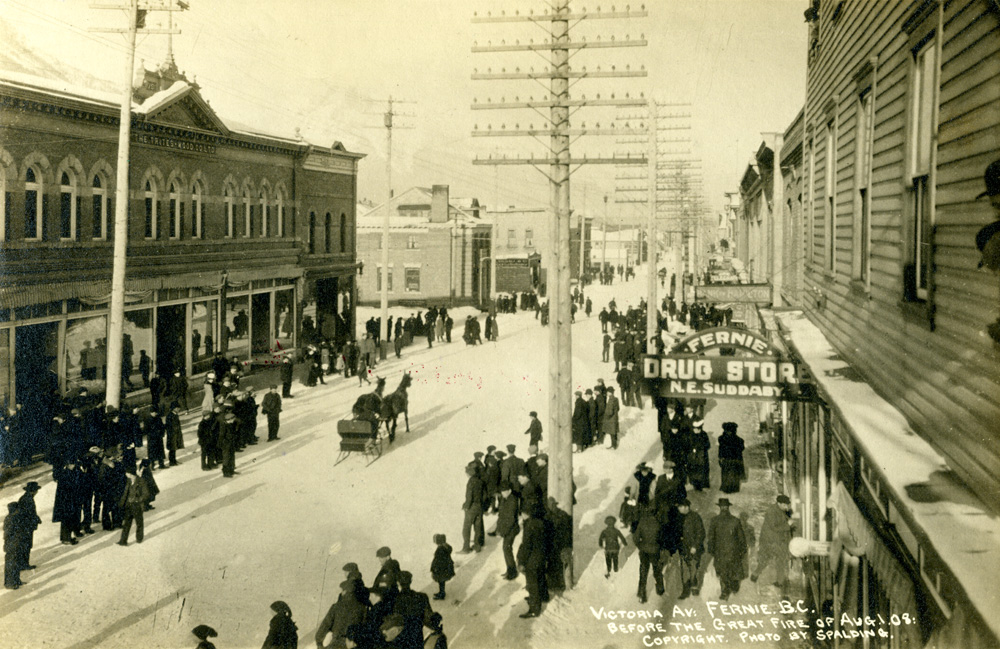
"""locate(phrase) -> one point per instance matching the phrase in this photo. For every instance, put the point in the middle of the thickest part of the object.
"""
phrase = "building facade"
(893, 462)
(232, 234)
(438, 250)
(523, 234)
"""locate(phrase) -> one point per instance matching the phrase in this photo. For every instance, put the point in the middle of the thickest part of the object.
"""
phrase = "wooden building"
(901, 441)
(232, 234)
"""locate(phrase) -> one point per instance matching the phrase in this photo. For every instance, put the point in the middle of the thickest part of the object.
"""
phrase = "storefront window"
(284, 307)
(87, 353)
(237, 326)
(204, 324)
(137, 349)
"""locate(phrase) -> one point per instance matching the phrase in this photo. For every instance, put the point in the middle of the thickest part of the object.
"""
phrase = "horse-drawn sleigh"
(370, 411)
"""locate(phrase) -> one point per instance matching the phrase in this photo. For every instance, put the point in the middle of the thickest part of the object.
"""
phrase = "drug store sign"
(758, 373)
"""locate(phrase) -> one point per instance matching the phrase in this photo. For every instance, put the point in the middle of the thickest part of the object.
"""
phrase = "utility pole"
(604, 237)
(777, 234)
(116, 319)
(384, 329)
(555, 20)
(493, 237)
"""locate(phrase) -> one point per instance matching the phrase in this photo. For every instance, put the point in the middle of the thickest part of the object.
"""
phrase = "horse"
(395, 404)
(368, 406)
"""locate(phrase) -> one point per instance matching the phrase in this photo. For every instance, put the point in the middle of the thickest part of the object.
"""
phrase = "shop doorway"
(260, 328)
(36, 384)
(170, 344)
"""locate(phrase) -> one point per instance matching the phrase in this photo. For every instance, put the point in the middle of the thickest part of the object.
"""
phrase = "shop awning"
(962, 530)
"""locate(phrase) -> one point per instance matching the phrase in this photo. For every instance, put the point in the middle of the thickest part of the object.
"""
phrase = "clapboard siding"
(946, 378)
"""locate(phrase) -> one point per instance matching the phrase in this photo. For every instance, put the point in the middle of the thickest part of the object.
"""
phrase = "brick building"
(232, 234)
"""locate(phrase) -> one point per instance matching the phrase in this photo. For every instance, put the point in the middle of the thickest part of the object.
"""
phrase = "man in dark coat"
(207, 437)
(491, 479)
(475, 495)
(287, 370)
(345, 612)
(592, 420)
(153, 426)
(510, 467)
(29, 521)
(174, 434)
(775, 535)
(177, 388)
(697, 464)
(531, 559)
(132, 503)
(529, 494)
(624, 379)
(534, 431)
(14, 540)
(508, 528)
(692, 544)
(609, 423)
(580, 423)
(728, 546)
(560, 571)
(271, 406)
(414, 607)
(228, 443)
(647, 540)
(386, 583)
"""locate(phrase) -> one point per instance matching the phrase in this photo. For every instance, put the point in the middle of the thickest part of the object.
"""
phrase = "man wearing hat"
(415, 607)
(287, 370)
(228, 443)
(508, 528)
(728, 546)
(13, 547)
(207, 435)
(491, 478)
(775, 535)
(511, 466)
(531, 558)
(698, 464)
(132, 504)
(692, 544)
(283, 633)
(271, 406)
(348, 610)
(203, 632)
(534, 431)
(29, 522)
(475, 496)
(387, 580)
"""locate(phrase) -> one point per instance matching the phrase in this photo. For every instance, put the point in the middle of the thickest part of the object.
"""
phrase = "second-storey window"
(150, 198)
(101, 210)
(67, 207)
(32, 206)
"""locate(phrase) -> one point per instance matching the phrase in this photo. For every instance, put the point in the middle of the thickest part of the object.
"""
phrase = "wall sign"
(722, 377)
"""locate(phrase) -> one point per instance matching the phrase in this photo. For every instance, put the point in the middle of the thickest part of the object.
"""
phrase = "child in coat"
(612, 541)
(629, 512)
(442, 566)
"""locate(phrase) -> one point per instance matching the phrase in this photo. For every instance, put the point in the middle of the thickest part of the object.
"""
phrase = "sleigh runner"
(358, 435)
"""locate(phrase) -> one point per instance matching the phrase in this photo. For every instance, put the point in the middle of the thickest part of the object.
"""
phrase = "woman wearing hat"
(731, 459)
(203, 632)
(283, 633)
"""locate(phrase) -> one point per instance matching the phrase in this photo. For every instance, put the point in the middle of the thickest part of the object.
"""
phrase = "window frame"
(174, 205)
(406, 278)
(343, 233)
(197, 211)
(100, 207)
(150, 196)
(378, 279)
(830, 194)
(411, 242)
(864, 139)
(36, 186)
(247, 214)
(280, 213)
(265, 212)
(230, 207)
(68, 188)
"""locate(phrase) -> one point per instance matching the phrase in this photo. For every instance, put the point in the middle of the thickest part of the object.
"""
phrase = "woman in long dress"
(731, 458)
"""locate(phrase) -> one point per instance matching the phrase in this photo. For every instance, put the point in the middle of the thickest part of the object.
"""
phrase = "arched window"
(101, 210)
(230, 217)
(343, 232)
(176, 212)
(280, 207)
(265, 213)
(150, 209)
(197, 212)
(328, 247)
(67, 206)
(312, 233)
(32, 205)
(247, 214)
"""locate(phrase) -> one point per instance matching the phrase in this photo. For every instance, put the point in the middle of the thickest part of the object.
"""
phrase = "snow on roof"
(961, 529)
(59, 88)
(156, 100)
(375, 222)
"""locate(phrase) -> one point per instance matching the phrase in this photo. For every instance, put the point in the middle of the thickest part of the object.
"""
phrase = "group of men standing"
(516, 490)
(595, 415)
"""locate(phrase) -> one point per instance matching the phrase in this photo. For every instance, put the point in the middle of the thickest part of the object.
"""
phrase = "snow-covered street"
(219, 551)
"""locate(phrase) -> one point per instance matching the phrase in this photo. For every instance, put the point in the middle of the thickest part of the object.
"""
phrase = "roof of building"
(414, 197)
(154, 105)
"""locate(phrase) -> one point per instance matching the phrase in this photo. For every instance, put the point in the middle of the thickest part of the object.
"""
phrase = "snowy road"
(219, 551)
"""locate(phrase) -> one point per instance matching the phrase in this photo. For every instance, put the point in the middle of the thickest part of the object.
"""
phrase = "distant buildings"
(438, 249)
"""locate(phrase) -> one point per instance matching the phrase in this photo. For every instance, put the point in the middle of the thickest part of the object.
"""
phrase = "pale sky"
(321, 65)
